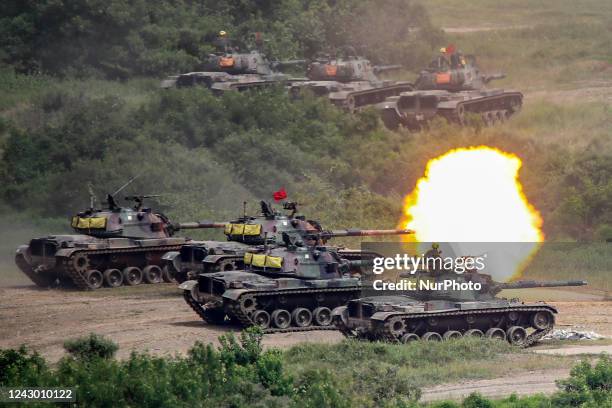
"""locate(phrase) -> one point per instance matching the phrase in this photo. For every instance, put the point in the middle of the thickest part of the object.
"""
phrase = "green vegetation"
(64, 129)
(240, 373)
(117, 39)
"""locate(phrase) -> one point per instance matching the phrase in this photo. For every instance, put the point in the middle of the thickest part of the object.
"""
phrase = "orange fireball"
(473, 195)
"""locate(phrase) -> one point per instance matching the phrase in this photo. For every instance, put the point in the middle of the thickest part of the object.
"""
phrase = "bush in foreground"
(240, 373)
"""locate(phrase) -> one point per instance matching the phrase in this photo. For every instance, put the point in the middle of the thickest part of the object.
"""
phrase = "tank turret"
(268, 227)
(453, 71)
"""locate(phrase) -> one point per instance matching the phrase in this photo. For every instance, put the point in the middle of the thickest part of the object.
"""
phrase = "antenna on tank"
(92, 196)
(126, 184)
(244, 212)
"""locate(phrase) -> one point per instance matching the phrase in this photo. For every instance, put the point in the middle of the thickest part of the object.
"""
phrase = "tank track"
(387, 335)
(370, 96)
(79, 280)
(198, 308)
(38, 279)
(452, 115)
(236, 311)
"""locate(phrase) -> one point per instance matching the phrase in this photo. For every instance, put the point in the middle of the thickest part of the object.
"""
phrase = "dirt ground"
(144, 318)
(155, 318)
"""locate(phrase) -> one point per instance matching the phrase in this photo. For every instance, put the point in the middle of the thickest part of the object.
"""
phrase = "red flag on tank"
(450, 49)
(280, 194)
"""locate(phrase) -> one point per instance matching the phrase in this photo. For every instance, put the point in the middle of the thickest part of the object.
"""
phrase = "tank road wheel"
(261, 318)
(513, 316)
(248, 304)
(496, 333)
(80, 262)
(301, 317)
(452, 334)
(542, 320)
(350, 104)
(500, 116)
(152, 274)
(396, 327)
(322, 316)
(132, 275)
(167, 275)
(281, 318)
(113, 278)
(473, 333)
(431, 336)
(94, 279)
(517, 335)
(408, 337)
(460, 112)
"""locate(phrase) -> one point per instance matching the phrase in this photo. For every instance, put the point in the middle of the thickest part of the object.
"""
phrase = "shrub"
(91, 347)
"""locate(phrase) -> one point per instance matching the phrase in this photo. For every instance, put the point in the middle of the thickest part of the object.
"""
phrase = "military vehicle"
(242, 234)
(292, 287)
(233, 70)
(113, 246)
(452, 87)
(349, 81)
(449, 312)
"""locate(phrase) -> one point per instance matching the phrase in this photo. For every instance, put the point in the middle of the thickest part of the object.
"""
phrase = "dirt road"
(527, 383)
(155, 318)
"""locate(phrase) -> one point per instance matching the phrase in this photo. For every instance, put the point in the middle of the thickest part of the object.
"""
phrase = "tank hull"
(351, 96)
(86, 262)
(414, 110)
(277, 305)
(198, 257)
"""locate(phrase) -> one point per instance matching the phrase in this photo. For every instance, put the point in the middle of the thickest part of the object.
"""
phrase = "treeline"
(240, 373)
(116, 39)
(207, 154)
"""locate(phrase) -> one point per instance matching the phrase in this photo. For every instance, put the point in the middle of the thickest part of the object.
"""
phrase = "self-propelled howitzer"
(112, 246)
(290, 287)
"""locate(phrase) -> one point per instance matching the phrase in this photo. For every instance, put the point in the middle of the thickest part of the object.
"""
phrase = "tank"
(112, 247)
(242, 234)
(451, 87)
(450, 312)
(349, 81)
(289, 287)
(233, 70)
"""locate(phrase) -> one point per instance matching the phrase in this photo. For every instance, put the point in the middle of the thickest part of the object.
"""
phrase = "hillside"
(66, 126)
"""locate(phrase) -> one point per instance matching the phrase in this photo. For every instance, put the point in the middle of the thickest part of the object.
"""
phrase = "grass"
(419, 363)
(486, 13)
(573, 261)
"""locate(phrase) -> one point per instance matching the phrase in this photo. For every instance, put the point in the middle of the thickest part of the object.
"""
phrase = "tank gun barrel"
(383, 68)
(488, 78)
(363, 233)
(287, 63)
(197, 225)
(539, 284)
